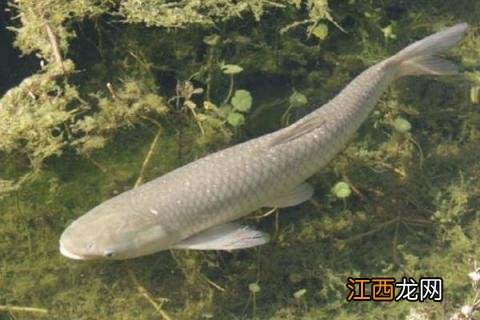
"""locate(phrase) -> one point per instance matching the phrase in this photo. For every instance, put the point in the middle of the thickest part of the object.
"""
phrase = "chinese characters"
(387, 289)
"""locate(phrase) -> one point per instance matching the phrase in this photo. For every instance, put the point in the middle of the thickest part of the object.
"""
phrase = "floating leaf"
(223, 111)
(254, 287)
(296, 277)
(402, 125)
(235, 119)
(298, 100)
(197, 91)
(475, 94)
(231, 69)
(341, 190)
(242, 100)
(201, 117)
(209, 105)
(212, 39)
(475, 276)
(320, 31)
(300, 293)
(388, 32)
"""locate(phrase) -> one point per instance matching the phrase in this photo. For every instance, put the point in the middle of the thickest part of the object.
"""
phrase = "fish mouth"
(69, 254)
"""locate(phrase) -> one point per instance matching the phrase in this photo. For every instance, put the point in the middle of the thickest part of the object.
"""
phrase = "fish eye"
(109, 253)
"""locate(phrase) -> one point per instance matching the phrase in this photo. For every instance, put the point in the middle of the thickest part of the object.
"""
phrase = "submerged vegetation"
(126, 90)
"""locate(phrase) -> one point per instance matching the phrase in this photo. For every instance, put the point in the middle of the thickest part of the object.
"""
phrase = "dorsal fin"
(297, 130)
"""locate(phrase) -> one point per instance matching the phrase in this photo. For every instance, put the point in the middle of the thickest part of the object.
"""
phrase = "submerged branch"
(147, 158)
(23, 309)
(144, 292)
(8, 186)
(52, 37)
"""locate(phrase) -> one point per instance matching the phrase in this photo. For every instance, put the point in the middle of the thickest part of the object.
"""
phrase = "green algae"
(84, 126)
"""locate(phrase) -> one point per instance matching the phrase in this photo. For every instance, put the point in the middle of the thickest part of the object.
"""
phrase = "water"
(413, 210)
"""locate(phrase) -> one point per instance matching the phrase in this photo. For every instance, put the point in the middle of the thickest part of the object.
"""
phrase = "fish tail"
(421, 58)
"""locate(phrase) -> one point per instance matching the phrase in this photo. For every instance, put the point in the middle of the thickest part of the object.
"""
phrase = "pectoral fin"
(229, 236)
(297, 195)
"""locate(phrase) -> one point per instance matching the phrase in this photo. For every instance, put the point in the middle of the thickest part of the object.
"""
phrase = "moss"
(182, 14)
(84, 123)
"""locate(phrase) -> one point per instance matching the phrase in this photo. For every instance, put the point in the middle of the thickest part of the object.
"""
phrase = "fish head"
(113, 232)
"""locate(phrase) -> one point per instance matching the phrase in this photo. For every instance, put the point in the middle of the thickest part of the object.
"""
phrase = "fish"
(194, 207)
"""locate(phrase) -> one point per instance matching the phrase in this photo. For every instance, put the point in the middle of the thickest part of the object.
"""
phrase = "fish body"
(192, 207)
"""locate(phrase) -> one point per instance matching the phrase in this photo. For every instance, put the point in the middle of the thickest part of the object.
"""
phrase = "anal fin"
(229, 236)
(297, 195)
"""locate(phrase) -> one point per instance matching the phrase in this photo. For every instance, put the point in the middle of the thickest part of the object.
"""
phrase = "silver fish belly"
(192, 207)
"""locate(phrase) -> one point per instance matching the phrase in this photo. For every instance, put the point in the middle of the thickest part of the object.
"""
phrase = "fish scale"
(253, 166)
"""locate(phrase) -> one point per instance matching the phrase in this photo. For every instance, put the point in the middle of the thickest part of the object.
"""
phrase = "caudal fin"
(421, 57)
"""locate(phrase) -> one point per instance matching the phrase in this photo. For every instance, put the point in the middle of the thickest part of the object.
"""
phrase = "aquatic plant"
(341, 190)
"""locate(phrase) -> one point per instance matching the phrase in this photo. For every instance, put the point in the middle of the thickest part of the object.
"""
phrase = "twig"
(230, 90)
(155, 122)
(147, 158)
(213, 284)
(370, 232)
(197, 121)
(210, 67)
(286, 115)
(387, 166)
(420, 152)
(7, 186)
(264, 215)
(294, 25)
(395, 243)
(277, 224)
(96, 163)
(23, 309)
(110, 89)
(315, 203)
(417, 221)
(55, 47)
(179, 264)
(357, 192)
(144, 292)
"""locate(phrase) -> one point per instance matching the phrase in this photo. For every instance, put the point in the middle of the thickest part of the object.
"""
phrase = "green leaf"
(320, 31)
(235, 119)
(300, 293)
(341, 190)
(212, 39)
(242, 100)
(201, 117)
(388, 32)
(208, 105)
(254, 287)
(298, 100)
(402, 125)
(231, 69)
(224, 110)
(475, 94)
